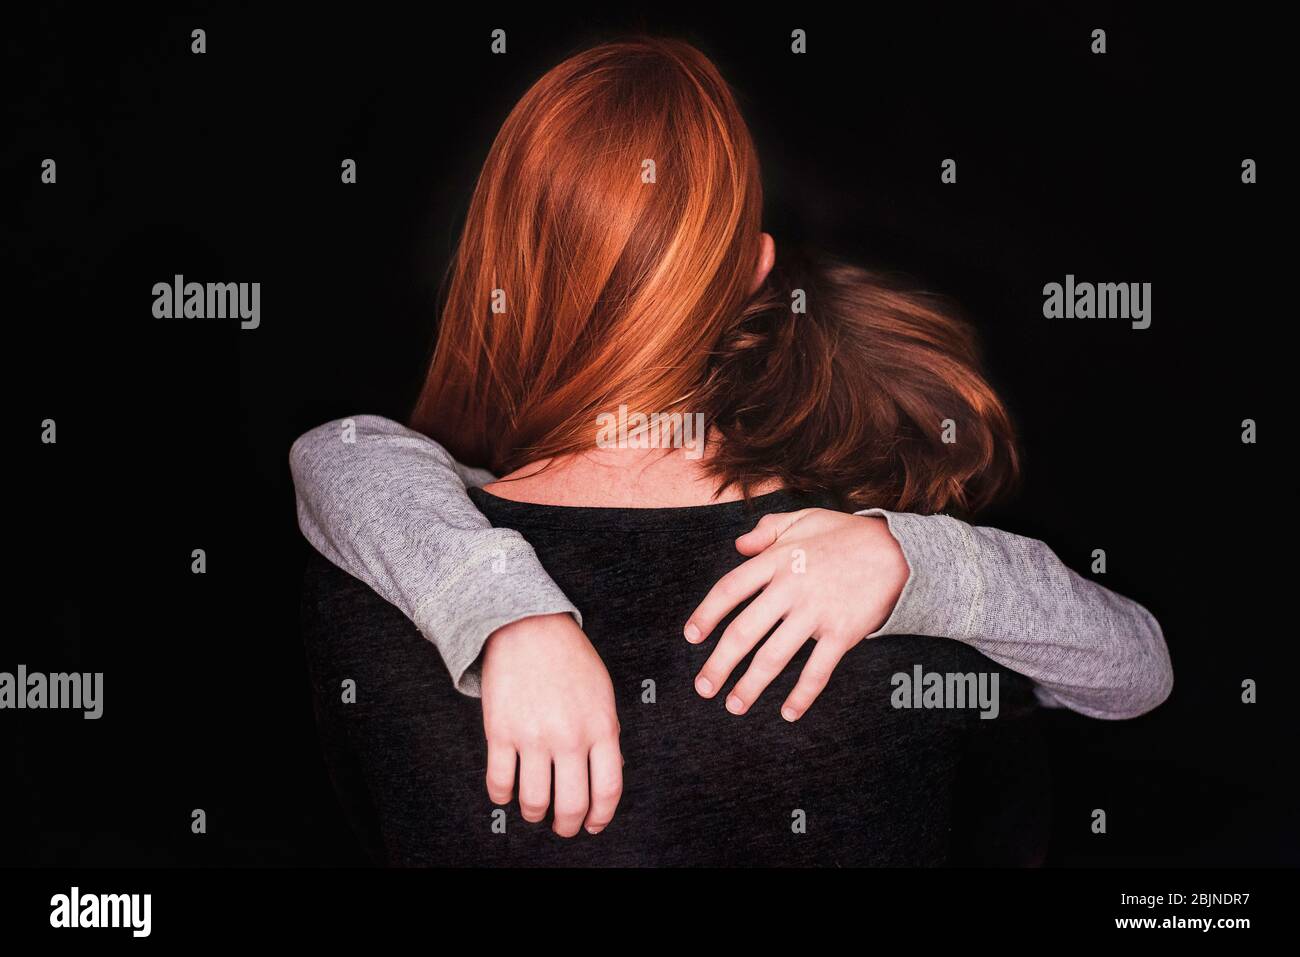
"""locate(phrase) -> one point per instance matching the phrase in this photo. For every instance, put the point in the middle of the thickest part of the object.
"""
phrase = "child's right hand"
(548, 700)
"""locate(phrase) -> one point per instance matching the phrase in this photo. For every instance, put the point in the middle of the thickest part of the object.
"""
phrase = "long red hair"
(607, 259)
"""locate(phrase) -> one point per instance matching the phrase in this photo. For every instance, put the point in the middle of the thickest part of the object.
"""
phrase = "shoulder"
(350, 631)
(332, 602)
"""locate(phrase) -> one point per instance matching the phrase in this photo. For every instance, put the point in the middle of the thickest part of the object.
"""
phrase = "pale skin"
(548, 703)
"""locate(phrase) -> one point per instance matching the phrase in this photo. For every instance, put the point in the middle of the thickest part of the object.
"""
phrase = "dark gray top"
(389, 505)
(859, 780)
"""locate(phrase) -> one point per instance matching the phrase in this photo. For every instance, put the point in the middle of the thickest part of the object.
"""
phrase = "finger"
(744, 632)
(572, 796)
(606, 768)
(500, 772)
(767, 531)
(769, 661)
(731, 589)
(816, 672)
(534, 784)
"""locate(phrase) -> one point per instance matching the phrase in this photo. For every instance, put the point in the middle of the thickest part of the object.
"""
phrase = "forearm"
(390, 508)
(1011, 598)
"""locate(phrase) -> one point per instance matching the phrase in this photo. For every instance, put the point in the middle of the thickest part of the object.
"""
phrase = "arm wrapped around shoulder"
(1087, 648)
(389, 506)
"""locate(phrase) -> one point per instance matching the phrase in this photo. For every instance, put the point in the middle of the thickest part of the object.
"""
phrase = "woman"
(613, 258)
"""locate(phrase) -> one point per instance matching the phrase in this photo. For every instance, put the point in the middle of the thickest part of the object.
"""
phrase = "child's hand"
(822, 574)
(548, 701)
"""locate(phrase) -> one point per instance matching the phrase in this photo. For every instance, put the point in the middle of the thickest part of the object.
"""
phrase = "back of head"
(607, 260)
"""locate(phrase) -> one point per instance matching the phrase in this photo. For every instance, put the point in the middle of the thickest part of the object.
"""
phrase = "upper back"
(879, 779)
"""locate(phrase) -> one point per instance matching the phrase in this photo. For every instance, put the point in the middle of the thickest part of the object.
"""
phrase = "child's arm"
(391, 509)
(389, 506)
(1009, 597)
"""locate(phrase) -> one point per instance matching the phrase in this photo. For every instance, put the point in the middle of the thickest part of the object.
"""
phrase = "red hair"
(616, 221)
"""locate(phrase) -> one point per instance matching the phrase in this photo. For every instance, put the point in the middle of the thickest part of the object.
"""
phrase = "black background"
(173, 435)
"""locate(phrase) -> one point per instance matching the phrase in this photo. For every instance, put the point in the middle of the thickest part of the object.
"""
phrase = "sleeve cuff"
(460, 634)
(944, 590)
(462, 657)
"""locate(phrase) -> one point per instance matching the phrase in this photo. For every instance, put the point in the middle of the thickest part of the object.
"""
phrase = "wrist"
(894, 570)
(530, 625)
(886, 548)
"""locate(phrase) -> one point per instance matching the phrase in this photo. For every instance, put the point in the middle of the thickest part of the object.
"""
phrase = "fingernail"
(703, 685)
(735, 705)
(789, 714)
(594, 830)
(692, 633)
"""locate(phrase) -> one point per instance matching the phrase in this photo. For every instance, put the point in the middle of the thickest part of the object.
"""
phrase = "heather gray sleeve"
(388, 506)
(1011, 598)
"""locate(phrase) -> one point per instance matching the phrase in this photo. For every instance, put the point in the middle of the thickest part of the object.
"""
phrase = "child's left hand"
(821, 574)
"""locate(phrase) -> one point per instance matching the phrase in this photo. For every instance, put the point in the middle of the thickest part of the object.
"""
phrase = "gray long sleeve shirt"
(389, 506)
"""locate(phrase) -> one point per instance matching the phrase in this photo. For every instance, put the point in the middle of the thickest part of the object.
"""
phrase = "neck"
(619, 478)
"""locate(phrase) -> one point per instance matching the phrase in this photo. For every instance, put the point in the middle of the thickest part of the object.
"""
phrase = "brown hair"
(621, 290)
